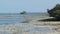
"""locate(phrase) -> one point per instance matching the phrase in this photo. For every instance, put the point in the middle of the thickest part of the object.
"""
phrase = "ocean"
(7, 18)
(12, 24)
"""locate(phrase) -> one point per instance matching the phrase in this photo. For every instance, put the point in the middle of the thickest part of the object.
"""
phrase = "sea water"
(16, 17)
(12, 24)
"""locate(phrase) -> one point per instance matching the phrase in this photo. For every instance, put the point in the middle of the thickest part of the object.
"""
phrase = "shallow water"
(20, 28)
(16, 17)
(12, 24)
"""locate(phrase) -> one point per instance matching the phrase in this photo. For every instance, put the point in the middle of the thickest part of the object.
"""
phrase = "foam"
(23, 28)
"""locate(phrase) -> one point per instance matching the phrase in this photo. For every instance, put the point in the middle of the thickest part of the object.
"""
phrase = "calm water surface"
(13, 18)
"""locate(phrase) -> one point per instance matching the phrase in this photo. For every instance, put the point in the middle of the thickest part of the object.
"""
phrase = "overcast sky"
(16, 6)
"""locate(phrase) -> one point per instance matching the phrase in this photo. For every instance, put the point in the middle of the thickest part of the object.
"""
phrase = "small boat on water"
(24, 12)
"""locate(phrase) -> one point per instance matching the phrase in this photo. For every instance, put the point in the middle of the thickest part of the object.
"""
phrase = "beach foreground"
(32, 27)
(48, 21)
(19, 28)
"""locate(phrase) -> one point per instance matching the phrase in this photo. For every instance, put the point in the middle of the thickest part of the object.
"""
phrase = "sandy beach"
(43, 21)
(34, 26)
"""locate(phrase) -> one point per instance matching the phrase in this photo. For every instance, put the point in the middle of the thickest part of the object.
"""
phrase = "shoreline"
(49, 21)
(33, 26)
(44, 21)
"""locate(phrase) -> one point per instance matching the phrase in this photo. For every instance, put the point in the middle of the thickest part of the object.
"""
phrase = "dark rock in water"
(55, 12)
(24, 12)
(50, 19)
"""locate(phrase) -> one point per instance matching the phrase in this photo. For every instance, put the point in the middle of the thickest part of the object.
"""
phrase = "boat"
(24, 12)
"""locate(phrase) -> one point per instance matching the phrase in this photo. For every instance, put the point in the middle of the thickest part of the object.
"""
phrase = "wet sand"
(46, 21)
(34, 26)
(50, 21)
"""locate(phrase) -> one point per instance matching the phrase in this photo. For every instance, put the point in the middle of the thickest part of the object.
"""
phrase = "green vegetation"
(55, 12)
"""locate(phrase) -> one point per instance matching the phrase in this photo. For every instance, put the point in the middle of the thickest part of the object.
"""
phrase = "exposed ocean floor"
(28, 24)
(25, 28)
(33, 27)
(51, 19)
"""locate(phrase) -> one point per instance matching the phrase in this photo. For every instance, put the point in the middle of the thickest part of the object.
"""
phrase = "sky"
(17, 6)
